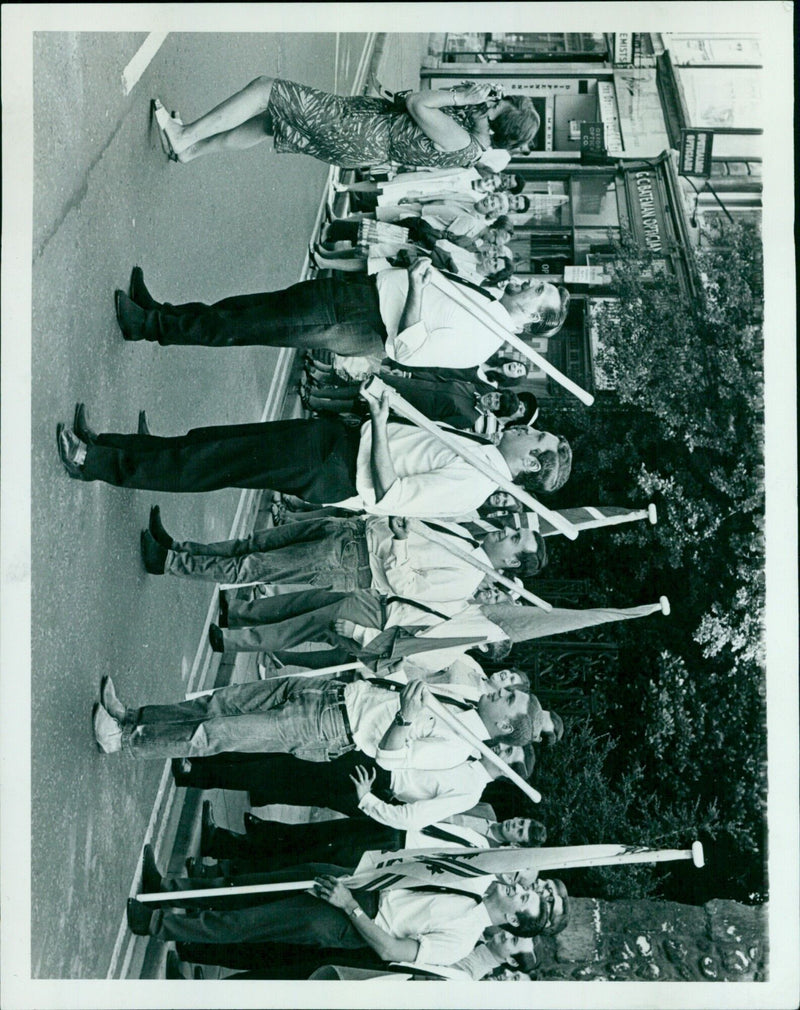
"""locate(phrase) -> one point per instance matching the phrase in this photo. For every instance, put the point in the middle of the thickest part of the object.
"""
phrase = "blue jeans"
(305, 718)
(328, 553)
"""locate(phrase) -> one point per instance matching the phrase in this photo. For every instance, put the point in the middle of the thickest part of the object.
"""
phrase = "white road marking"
(144, 54)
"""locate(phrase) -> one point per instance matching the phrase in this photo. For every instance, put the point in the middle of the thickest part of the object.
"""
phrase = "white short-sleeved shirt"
(446, 926)
(447, 336)
(432, 480)
(422, 570)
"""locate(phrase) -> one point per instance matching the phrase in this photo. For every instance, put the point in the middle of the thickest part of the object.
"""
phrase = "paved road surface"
(106, 198)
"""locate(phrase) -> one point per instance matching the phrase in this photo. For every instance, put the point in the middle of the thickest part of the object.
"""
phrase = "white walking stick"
(462, 296)
(375, 387)
(412, 870)
(447, 542)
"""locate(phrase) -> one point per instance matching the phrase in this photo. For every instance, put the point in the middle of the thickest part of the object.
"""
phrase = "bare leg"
(251, 101)
(253, 132)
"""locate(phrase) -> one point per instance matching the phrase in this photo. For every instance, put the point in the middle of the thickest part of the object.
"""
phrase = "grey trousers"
(287, 620)
(301, 717)
(327, 553)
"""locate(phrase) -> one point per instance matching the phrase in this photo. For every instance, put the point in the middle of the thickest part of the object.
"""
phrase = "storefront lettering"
(647, 206)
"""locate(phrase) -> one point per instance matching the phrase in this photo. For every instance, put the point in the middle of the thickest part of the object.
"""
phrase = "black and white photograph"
(399, 496)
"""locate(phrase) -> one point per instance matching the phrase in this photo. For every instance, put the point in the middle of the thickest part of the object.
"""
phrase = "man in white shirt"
(388, 468)
(317, 720)
(375, 552)
(401, 924)
(350, 314)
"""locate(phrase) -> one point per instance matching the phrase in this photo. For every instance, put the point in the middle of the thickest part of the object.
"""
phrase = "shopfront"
(577, 213)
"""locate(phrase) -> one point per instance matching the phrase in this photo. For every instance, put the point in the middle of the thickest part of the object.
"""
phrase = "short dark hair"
(552, 319)
(509, 403)
(561, 922)
(517, 182)
(526, 680)
(504, 222)
(528, 924)
(532, 562)
(525, 203)
(558, 730)
(521, 731)
(500, 275)
(525, 767)
(531, 407)
(515, 125)
(555, 469)
(525, 961)
(537, 832)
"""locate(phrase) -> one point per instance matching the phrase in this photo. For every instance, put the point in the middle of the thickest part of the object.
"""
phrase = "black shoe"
(195, 867)
(208, 826)
(181, 773)
(69, 446)
(140, 917)
(173, 968)
(137, 291)
(223, 609)
(80, 425)
(251, 822)
(151, 875)
(142, 427)
(215, 638)
(154, 556)
(157, 531)
(129, 316)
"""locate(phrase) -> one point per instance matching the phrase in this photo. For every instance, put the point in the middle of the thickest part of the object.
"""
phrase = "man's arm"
(419, 276)
(380, 460)
(386, 946)
(405, 726)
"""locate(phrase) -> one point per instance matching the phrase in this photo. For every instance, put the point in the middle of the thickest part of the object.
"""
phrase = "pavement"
(105, 200)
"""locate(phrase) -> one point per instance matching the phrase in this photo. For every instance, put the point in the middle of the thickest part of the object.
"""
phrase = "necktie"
(456, 279)
(450, 533)
(446, 836)
(396, 419)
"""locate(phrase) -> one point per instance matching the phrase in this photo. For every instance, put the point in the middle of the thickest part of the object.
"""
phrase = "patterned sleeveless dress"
(353, 132)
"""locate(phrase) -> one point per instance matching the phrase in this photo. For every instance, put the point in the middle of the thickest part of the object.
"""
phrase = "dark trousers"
(276, 960)
(291, 619)
(297, 918)
(271, 845)
(314, 459)
(341, 314)
(282, 778)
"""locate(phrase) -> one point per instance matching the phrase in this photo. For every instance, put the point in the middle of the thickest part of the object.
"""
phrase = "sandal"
(162, 117)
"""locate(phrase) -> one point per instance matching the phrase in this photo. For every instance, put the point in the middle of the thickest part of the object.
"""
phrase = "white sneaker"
(107, 731)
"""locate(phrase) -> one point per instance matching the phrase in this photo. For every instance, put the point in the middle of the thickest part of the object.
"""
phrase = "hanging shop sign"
(623, 48)
(607, 102)
(648, 209)
(695, 152)
(586, 275)
(511, 85)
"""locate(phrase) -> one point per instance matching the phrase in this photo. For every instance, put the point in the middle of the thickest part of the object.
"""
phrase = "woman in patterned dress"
(428, 128)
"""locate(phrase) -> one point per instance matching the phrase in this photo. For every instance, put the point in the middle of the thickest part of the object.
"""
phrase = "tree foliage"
(683, 428)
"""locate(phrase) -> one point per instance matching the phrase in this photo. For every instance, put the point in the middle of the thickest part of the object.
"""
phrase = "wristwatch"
(400, 721)
(354, 913)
